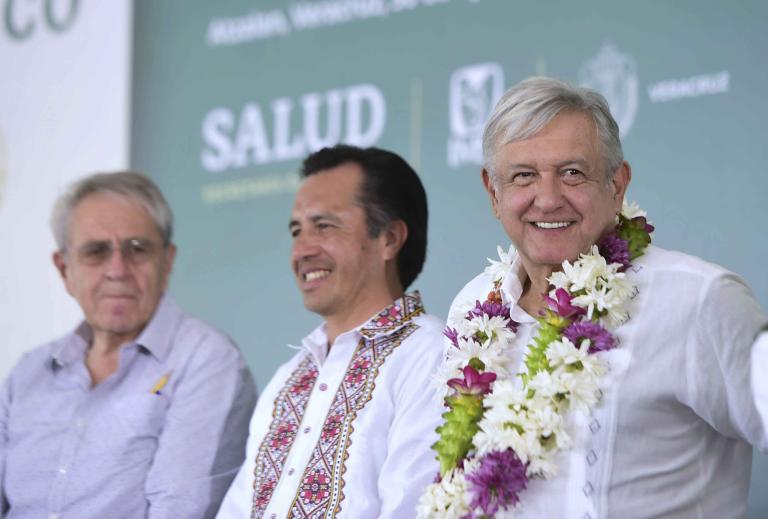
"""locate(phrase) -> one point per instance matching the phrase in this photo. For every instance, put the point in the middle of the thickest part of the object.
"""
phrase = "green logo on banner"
(21, 18)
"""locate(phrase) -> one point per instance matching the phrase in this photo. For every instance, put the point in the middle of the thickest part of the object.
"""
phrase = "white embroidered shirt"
(346, 432)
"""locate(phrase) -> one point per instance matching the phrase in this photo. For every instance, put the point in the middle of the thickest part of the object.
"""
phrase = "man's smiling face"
(551, 192)
(339, 268)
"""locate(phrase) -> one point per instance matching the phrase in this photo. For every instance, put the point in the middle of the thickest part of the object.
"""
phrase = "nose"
(549, 193)
(305, 245)
(117, 265)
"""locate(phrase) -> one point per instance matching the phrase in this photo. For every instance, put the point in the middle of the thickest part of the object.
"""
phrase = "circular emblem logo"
(614, 75)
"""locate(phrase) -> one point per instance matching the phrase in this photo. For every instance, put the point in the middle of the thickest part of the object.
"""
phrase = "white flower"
(594, 365)
(446, 500)
(630, 210)
(565, 353)
(543, 466)
(559, 280)
(498, 270)
(459, 313)
(489, 329)
(492, 356)
(542, 383)
(505, 394)
(580, 387)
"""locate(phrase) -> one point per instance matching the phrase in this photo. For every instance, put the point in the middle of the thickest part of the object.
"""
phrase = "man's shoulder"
(681, 267)
(429, 323)
(187, 327)
(188, 338)
(32, 361)
(475, 290)
(660, 260)
(427, 337)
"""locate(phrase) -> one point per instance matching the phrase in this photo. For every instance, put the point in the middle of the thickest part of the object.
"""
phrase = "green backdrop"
(228, 96)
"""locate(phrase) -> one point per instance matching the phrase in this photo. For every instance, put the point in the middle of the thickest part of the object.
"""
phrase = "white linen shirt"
(671, 435)
(388, 461)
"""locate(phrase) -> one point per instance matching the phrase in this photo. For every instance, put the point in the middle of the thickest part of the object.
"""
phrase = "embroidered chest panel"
(286, 417)
(320, 492)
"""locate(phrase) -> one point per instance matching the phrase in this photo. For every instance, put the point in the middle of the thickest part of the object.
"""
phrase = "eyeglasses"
(134, 251)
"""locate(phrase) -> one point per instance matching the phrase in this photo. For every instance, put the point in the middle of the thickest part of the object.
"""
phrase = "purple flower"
(600, 338)
(474, 382)
(615, 250)
(492, 309)
(452, 335)
(562, 304)
(497, 482)
(640, 221)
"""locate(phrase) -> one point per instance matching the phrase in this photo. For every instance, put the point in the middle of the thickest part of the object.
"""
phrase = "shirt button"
(63, 469)
(273, 516)
(80, 424)
(307, 429)
(290, 472)
(323, 386)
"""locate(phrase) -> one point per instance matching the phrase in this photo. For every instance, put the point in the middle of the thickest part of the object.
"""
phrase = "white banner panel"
(64, 112)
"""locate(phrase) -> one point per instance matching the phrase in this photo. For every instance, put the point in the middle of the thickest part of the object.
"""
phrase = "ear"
(491, 189)
(620, 182)
(61, 265)
(393, 239)
(170, 257)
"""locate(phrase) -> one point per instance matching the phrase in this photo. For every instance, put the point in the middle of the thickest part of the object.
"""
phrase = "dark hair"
(391, 190)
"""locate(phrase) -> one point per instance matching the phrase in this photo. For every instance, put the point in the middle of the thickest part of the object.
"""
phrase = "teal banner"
(229, 96)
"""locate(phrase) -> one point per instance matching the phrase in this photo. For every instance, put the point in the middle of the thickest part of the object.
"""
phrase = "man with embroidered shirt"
(344, 427)
(141, 411)
(632, 399)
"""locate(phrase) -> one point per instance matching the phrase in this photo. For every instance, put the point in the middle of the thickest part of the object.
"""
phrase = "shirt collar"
(512, 289)
(155, 338)
(72, 347)
(393, 317)
(383, 323)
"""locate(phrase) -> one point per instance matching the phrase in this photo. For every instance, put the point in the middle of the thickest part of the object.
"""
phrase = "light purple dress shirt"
(126, 448)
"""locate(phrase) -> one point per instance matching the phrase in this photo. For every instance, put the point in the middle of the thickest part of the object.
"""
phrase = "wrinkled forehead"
(104, 214)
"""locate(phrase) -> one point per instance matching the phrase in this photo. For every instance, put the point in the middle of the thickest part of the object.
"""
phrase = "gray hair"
(125, 184)
(530, 105)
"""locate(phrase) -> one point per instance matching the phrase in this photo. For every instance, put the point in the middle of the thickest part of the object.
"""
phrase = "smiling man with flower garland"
(344, 427)
(589, 373)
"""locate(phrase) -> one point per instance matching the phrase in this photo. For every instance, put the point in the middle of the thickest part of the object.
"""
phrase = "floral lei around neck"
(498, 434)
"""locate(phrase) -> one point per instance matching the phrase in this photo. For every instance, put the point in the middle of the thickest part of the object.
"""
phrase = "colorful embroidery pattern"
(321, 492)
(394, 316)
(286, 417)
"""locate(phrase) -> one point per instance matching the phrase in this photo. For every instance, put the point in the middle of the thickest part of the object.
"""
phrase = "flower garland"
(499, 434)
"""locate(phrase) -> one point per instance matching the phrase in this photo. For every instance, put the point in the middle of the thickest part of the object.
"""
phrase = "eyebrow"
(314, 219)
(581, 162)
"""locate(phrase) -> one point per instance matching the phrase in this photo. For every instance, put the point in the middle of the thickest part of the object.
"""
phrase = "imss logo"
(474, 91)
(614, 75)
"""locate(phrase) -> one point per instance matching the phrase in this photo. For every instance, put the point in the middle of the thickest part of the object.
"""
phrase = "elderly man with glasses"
(141, 411)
